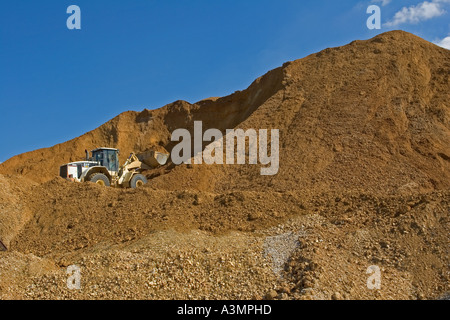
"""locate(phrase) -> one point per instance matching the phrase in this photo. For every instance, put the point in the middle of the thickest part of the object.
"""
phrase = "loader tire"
(100, 179)
(137, 181)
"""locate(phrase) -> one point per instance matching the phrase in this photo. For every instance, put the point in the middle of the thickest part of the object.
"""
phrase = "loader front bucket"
(153, 159)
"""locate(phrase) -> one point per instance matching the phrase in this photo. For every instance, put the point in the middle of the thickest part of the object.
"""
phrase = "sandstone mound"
(363, 180)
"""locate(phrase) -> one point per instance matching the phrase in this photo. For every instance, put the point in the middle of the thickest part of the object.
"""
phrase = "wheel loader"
(103, 168)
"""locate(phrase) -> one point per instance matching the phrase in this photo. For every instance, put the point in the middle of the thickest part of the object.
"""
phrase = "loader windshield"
(107, 158)
(113, 160)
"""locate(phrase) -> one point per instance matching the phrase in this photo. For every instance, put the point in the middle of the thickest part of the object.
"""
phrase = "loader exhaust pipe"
(87, 155)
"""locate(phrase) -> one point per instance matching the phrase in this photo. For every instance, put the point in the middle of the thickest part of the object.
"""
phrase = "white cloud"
(420, 12)
(444, 43)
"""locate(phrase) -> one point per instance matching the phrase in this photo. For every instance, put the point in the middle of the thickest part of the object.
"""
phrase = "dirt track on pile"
(363, 181)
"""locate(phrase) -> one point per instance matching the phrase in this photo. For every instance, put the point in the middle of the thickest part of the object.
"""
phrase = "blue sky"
(56, 83)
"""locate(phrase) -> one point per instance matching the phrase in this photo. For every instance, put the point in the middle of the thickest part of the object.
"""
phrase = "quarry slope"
(363, 180)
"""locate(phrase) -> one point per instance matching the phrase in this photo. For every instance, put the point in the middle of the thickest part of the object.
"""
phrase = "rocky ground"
(309, 247)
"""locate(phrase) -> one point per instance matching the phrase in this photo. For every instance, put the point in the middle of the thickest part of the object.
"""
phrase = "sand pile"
(84, 215)
(14, 213)
(372, 115)
(364, 180)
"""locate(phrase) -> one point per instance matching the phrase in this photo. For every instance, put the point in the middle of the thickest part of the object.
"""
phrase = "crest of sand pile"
(372, 115)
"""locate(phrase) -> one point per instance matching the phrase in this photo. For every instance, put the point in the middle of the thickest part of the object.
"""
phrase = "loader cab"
(107, 157)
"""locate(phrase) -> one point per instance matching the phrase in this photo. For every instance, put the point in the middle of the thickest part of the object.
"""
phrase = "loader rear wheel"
(138, 181)
(100, 179)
